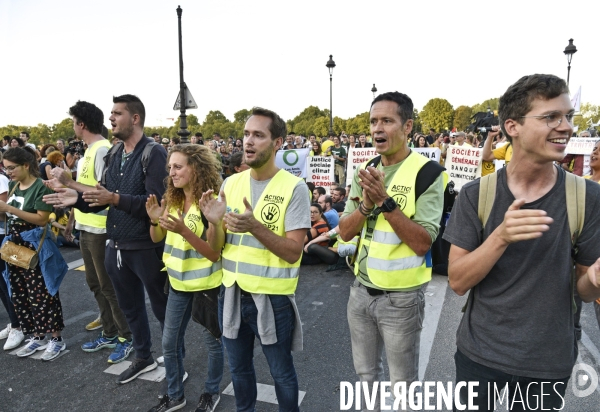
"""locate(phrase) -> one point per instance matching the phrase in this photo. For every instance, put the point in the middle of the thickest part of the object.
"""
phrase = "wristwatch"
(388, 205)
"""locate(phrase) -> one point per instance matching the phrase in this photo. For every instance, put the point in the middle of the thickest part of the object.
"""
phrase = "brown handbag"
(18, 255)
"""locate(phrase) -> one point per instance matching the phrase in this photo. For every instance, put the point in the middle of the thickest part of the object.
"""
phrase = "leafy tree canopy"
(438, 114)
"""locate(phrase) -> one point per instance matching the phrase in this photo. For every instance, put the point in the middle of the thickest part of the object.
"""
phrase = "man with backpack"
(395, 202)
(133, 261)
(516, 235)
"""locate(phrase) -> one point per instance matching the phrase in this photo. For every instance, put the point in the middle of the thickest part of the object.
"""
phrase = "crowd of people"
(231, 230)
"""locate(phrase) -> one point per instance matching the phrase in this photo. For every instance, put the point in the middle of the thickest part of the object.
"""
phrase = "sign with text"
(463, 165)
(581, 145)
(294, 161)
(319, 170)
(432, 153)
(356, 157)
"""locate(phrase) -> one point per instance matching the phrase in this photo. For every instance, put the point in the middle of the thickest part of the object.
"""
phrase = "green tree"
(417, 123)
(462, 117)
(321, 126)
(589, 114)
(438, 114)
(358, 124)
(63, 130)
(482, 107)
(303, 123)
(239, 121)
(216, 122)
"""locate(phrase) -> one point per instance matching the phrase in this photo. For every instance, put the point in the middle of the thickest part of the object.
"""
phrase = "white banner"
(586, 165)
(356, 157)
(463, 164)
(294, 161)
(319, 170)
(581, 145)
(432, 153)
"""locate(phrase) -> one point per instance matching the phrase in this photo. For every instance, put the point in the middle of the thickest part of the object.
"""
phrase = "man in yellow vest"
(87, 124)
(265, 212)
(386, 304)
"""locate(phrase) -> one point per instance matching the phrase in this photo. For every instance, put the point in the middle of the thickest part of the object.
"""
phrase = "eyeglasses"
(554, 119)
(314, 211)
(11, 168)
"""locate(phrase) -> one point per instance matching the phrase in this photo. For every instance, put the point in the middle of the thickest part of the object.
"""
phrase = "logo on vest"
(400, 189)
(273, 199)
(270, 215)
(85, 168)
(400, 201)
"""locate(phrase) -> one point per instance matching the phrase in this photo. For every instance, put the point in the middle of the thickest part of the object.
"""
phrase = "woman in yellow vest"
(192, 264)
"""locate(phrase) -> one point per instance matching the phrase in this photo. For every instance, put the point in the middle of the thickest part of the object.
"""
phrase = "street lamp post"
(570, 50)
(183, 131)
(374, 90)
(330, 65)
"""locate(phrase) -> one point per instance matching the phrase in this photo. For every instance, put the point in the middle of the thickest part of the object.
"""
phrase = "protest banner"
(587, 170)
(581, 145)
(294, 161)
(356, 157)
(320, 171)
(432, 153)
(463, 164)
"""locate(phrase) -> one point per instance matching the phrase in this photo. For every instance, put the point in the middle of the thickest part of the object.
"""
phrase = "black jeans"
(524, 394)
(10, 309)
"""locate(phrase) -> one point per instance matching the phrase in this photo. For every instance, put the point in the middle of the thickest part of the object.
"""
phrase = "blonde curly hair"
(206, 174)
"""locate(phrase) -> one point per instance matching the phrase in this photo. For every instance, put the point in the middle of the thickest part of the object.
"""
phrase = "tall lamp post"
(374, 90)
(570, 50)
(183, 132)
(330, 65)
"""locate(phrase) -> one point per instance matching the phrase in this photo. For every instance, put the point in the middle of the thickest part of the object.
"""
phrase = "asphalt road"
(77, 381)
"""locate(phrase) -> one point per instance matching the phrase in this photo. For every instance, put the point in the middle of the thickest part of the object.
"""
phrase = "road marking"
(83, 315)
(155, 375)
(75, 264)
(265, 393)
(436, 293)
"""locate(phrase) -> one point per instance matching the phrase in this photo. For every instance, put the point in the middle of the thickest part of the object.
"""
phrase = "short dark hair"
(517, 99)
(432, 130)
(341, 190)
(176, 140)
(235, 160)
(26, 133)
(155, 134)
(133, 105)
(321, 190)
(405, 104)
(328, 199)
(88, 114)
(216, 134)
(198, 135)
(277, 128)
(7, 138)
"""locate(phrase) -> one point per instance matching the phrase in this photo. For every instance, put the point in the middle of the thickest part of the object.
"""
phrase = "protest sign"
(319, 170)
(356, 157)
(432, 153)
(463, 164)
(294, 161)
(581, 145)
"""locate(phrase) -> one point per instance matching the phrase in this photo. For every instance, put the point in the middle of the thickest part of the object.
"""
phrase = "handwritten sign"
(319, 170)
(463, 164)
(581, 145)
(356, 157)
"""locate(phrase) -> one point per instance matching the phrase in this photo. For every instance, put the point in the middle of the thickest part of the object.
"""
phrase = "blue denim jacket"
(53, 265)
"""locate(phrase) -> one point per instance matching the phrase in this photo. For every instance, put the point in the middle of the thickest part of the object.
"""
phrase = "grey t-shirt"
(520, 320)
(297, 215)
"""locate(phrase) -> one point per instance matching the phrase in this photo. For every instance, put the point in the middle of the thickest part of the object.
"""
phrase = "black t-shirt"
(339, 206)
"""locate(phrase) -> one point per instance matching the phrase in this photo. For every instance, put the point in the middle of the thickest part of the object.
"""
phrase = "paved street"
(77, 381)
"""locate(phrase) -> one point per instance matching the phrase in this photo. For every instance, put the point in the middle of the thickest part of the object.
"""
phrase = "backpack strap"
(575, 193)
(487, 194)
(145, 157)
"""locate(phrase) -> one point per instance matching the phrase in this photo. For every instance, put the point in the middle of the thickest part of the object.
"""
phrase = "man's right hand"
(523, 224)
(61, 175)
(62, 198)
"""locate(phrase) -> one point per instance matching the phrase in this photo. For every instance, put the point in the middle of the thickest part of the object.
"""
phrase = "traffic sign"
(190, 103)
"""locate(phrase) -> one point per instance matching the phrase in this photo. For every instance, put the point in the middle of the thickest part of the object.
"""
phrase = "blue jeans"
(240, 352)
(177, 317)
(528, 398)
(392, 320)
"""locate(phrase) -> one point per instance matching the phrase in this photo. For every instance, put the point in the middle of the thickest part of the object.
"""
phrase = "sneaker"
(100, 342)
(15, 337)
(164, 386)
(167, 404)
(95, 324)
(122, 350)
(160, 359)
(4, 332)
(54, 348)
(208, 402)
(137, 367)
(32, 346)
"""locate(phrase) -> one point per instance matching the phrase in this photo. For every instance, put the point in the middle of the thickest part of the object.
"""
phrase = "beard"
(262, 158)
(124, 133)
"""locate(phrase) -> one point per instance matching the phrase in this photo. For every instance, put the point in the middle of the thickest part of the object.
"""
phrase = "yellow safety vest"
(391, 264)
(188, 270)
(86, 177)
(247, 261)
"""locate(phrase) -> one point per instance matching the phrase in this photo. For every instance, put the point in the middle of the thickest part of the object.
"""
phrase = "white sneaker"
(15, 337)
(4, 332)
(160, 359)
(54, 349)
(33, 345)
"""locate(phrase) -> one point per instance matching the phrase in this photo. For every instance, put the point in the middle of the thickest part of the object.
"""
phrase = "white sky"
(240, 54)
